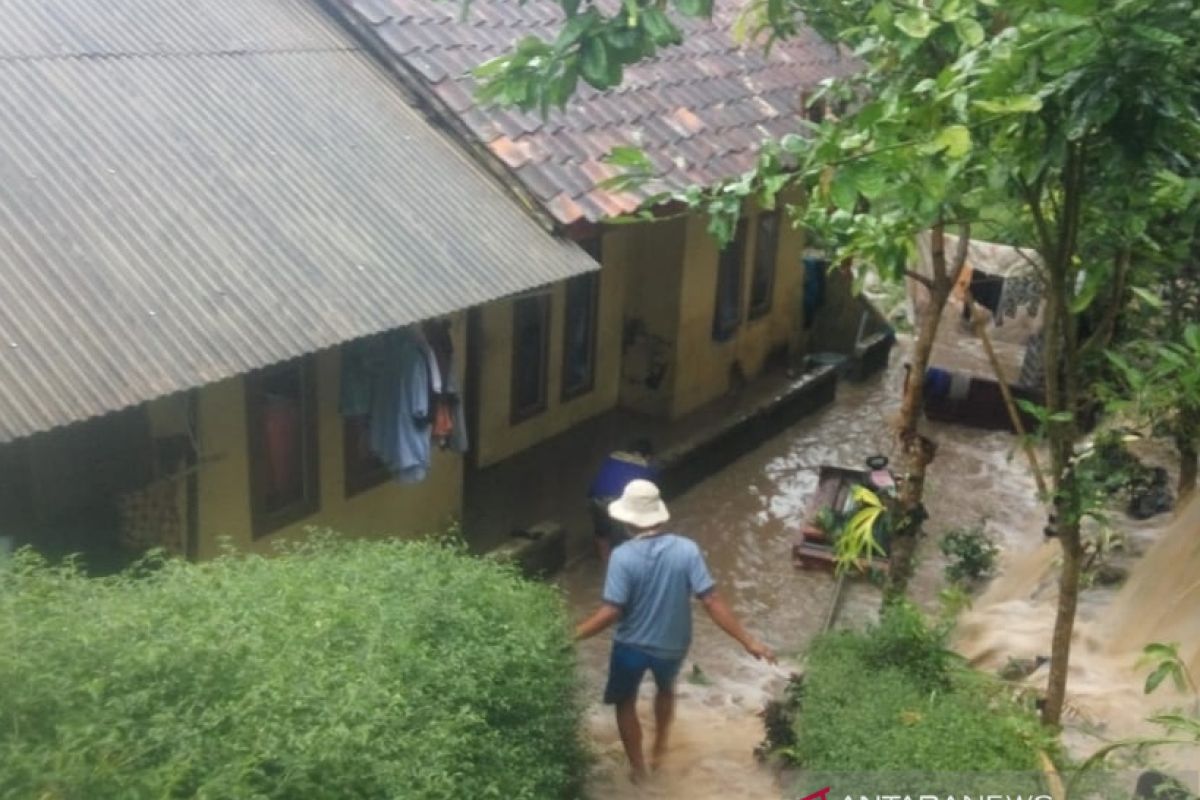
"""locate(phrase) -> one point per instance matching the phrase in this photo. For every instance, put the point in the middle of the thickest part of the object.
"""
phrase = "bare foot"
(638, 777)
(657, 757)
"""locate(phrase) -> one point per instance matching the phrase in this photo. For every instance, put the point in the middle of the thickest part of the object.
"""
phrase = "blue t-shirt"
(653, 581)
(616, 472)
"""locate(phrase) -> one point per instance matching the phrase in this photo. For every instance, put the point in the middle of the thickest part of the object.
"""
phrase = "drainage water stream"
(744, 519)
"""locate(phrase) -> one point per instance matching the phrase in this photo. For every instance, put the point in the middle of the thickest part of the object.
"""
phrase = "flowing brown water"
(744, 518)
(1160, 602)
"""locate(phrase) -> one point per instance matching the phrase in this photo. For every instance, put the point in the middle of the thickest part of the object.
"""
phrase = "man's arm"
(606, 615)
(727, 621)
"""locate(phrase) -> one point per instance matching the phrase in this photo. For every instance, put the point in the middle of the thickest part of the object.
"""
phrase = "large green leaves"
(916, 23)
(594, 66)
(953, 140)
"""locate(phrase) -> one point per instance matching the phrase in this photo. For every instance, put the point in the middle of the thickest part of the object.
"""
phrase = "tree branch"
(961, 252)
(1033, 200)
(1104, 332)
(919, 278)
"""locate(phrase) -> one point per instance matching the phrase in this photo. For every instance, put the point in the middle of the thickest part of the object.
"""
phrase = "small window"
(727, 315)
(282, 433)
(531, 328)
(579, 335)
(766, 250)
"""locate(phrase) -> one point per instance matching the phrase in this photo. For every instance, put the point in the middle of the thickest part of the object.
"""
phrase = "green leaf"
(563, 86)
(955, 140)
(660, 28)
(1159, 650)
(1191, 335)
(916, 23)
(1018, 104)
(843, 191)
(629, 157)
(1149, 298)
(1032, 409)
(1085, 296)
(794, 143)
(969, 31)
(570, 7)
(1157, 677)
(881, 13)
(594, 63)
(694, 8)
(872, 181)
(575, 28)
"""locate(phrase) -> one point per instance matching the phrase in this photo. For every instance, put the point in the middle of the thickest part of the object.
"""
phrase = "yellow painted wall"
(704, 366)
(389, 509)
(651, 258)
(498, 437)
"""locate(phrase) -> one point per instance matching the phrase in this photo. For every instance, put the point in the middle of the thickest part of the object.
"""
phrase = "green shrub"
(894, 702)
(335, 670)
(972, 554)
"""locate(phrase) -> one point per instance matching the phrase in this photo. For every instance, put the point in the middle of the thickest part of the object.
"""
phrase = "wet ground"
(744, 519)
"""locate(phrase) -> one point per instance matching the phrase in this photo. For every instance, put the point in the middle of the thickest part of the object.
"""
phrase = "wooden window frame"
(518, 415)
(763, 307)
(736, 248)
(593, 333)
(265, 522)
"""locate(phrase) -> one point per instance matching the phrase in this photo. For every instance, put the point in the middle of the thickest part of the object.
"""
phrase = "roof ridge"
(169, 54)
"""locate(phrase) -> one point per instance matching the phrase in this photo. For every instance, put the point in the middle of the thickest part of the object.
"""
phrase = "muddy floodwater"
(744, 519)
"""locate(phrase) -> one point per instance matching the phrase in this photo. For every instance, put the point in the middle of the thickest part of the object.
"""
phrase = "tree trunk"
(1064, 621)
(916, 450)
(1188, 458)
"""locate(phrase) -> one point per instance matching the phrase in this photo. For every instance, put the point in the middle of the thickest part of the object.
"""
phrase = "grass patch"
(893, 705)
(338, 669)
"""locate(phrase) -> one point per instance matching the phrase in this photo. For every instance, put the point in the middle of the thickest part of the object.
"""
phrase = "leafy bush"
(894, 702)
(971, 552)
(337, 669)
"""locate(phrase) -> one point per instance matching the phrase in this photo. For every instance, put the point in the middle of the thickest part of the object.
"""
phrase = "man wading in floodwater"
(648, 587)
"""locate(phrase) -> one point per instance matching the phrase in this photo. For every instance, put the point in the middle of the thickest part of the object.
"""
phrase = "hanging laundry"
(1033, 363)
(449, 430)
(401, 418)
(1023, 292)
(457, 440)
(431, 360)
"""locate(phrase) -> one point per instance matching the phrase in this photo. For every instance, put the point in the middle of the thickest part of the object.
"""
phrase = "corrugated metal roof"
(215, 187)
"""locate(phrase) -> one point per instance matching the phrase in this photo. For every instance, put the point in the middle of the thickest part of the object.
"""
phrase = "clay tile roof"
(709, 100)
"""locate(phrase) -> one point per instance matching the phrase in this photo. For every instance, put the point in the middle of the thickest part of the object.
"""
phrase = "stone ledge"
(685, 465)
(539, 551)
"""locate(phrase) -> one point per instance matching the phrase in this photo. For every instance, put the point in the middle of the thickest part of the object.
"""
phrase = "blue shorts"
(628, 665)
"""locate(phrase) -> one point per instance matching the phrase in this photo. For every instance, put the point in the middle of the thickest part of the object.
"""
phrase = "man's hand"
(760, 651)
(727, 621)
(605, 615)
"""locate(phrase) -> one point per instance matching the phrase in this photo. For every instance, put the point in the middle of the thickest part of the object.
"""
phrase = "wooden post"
(979, 318)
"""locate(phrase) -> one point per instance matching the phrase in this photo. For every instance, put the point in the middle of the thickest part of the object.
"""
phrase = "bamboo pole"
(833, 605)
(979, 318)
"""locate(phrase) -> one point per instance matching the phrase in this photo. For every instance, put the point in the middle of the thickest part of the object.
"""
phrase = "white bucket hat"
(641, 505)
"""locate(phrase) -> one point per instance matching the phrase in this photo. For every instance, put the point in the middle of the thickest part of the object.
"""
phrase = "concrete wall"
(498, 436)
(388, 509)
(705, 367)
